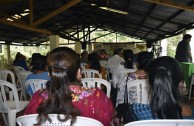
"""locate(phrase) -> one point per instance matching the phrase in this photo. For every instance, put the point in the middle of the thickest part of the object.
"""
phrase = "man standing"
(183, 51)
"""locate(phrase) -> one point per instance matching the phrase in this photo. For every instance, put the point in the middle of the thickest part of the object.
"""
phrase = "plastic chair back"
(97, 82)
(29, 120)
(91, 73)
(83, 65)
(18, 68)
(10, 105)
(7, 75)
(138, 91)
(33, 85)
(162, 122)
(4, 98)
(21, 75)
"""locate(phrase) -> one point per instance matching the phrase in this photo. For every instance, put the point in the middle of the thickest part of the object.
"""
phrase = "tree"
(172, 44)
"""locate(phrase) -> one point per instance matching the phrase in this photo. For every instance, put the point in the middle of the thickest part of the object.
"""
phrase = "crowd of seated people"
(64, 93)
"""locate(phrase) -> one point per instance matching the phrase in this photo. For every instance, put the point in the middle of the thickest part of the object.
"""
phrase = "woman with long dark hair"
(164, 77)
(142, 61)
(64, 95)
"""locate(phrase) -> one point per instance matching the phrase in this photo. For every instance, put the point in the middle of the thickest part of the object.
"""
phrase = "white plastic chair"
(8, 75)
(97, 82)
(91, 73)
(34, 85)
(190, 88)
(21, 75)
(10, 107)
(18, 68)
(162, 122)
(83, 65)
(29, 120)
(138, 91)
(5, 73)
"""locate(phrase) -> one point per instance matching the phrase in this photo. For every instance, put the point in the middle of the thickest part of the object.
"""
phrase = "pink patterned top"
(92, 103)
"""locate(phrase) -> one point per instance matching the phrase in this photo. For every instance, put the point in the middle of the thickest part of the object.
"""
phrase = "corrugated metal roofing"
(145, 20)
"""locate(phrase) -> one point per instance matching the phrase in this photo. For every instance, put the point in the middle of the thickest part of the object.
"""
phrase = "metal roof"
(148, 20)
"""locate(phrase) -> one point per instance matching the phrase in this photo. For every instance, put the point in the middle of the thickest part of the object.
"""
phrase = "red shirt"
(92, 103)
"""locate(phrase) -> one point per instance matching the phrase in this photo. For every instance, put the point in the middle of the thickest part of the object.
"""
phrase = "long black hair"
(63, 64)
(143, 59)
(164, 77)
(94, 62)
(128, 57)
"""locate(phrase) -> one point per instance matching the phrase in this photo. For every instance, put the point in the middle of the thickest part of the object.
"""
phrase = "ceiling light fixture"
(111, 9)
(114, 10)
(14, 17)
(24, 14)
(26, 10)
(18, 16)
(9, 19)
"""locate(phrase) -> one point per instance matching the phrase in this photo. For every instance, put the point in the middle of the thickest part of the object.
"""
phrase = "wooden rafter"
(25, 26)
(172, 4)
(55, 12)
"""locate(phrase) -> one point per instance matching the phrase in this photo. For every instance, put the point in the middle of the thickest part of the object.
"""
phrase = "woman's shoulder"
(188, 112)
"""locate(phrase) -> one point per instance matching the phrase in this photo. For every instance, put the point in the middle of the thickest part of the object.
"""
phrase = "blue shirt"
(43, 75)
(144, 112)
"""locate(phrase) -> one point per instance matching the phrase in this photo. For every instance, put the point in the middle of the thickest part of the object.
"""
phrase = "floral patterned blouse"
(92, 103)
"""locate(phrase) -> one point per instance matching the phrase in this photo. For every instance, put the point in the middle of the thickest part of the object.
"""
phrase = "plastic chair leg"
(12, 117)
(5, 119)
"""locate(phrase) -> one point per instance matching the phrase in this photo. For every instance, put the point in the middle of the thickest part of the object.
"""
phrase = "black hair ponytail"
(163, 102)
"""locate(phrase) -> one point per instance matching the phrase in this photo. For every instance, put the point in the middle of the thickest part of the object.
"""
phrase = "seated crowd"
(64, 93)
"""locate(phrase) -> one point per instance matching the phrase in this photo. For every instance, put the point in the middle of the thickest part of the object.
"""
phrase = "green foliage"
(172, 44)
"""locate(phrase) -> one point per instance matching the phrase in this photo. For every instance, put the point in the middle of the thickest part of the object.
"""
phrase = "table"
(188, 70)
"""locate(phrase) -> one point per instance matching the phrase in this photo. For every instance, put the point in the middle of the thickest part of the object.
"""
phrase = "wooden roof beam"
(25, 26)
(172, 4)
(55, 12)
